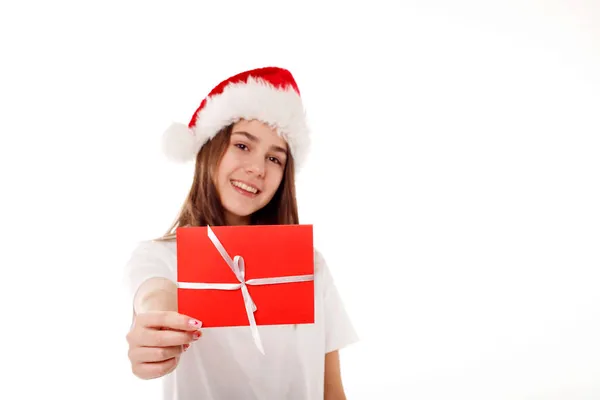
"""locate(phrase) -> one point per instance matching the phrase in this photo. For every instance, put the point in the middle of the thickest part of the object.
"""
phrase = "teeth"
(243, 186)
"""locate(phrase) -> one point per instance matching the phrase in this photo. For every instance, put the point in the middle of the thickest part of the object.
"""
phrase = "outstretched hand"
(156, 341)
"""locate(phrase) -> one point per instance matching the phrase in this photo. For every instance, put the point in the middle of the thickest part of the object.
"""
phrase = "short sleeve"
(149, 259)
(339, 330)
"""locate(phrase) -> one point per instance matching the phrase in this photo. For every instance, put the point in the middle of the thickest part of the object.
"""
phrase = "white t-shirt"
(225, 363)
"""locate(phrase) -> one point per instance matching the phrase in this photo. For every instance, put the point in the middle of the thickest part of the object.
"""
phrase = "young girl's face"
(250, 171)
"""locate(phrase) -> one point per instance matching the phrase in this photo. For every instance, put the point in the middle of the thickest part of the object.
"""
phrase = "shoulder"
(319, 260)
(322, 271)
(150, 259)
(339, 330)
(154, 250)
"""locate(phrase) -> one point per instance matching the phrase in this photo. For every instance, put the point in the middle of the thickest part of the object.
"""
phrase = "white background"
(453, 184)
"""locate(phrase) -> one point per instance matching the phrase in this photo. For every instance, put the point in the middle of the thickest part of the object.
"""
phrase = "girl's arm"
(158, 334)
(334, 390)
(155, 294)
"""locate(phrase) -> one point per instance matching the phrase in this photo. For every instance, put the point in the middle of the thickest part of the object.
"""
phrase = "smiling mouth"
(247, 189)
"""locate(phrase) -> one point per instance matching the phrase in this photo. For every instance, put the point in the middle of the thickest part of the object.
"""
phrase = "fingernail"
(185, 347)
(196, 335)
(195, 323)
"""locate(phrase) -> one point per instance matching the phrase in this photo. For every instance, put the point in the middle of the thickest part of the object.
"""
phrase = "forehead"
(262, 131)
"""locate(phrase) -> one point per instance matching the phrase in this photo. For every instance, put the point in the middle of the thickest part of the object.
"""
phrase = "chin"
(241, 207)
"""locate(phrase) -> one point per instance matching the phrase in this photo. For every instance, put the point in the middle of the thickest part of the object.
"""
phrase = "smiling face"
(250, 170)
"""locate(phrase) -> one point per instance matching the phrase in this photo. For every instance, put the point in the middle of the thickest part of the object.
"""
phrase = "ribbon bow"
(237, 265)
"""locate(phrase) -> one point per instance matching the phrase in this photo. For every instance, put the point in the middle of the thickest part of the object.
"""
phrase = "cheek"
(275, 178)
(226, 166)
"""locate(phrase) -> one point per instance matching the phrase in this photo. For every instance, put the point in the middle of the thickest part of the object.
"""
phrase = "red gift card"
(210, 291)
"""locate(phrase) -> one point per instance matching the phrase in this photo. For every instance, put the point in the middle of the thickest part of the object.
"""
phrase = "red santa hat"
(269, 95)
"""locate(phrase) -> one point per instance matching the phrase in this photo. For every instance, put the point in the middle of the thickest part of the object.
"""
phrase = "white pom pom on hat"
(268, 94)
(179, 143)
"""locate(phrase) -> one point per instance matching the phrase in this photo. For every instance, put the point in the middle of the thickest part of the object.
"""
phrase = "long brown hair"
(203, 206)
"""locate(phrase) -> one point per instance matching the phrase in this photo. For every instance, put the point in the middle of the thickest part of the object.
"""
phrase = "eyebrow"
(253, 138)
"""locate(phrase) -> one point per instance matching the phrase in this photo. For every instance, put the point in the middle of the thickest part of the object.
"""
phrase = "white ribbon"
(238, 268)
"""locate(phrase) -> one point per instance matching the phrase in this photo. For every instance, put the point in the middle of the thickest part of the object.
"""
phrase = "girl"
(248, 137)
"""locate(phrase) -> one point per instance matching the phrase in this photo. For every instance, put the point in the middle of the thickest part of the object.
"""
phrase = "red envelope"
(268, 251)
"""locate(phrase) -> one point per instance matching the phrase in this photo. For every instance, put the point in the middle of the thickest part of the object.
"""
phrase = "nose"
(256, 166)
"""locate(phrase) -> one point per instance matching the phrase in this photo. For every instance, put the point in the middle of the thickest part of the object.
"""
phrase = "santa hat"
(269, 95)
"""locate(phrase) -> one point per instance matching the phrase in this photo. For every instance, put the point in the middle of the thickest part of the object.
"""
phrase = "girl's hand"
(156, 341)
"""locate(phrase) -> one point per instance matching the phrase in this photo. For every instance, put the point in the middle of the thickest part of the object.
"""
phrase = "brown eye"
(275, 160)
(241, 146)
